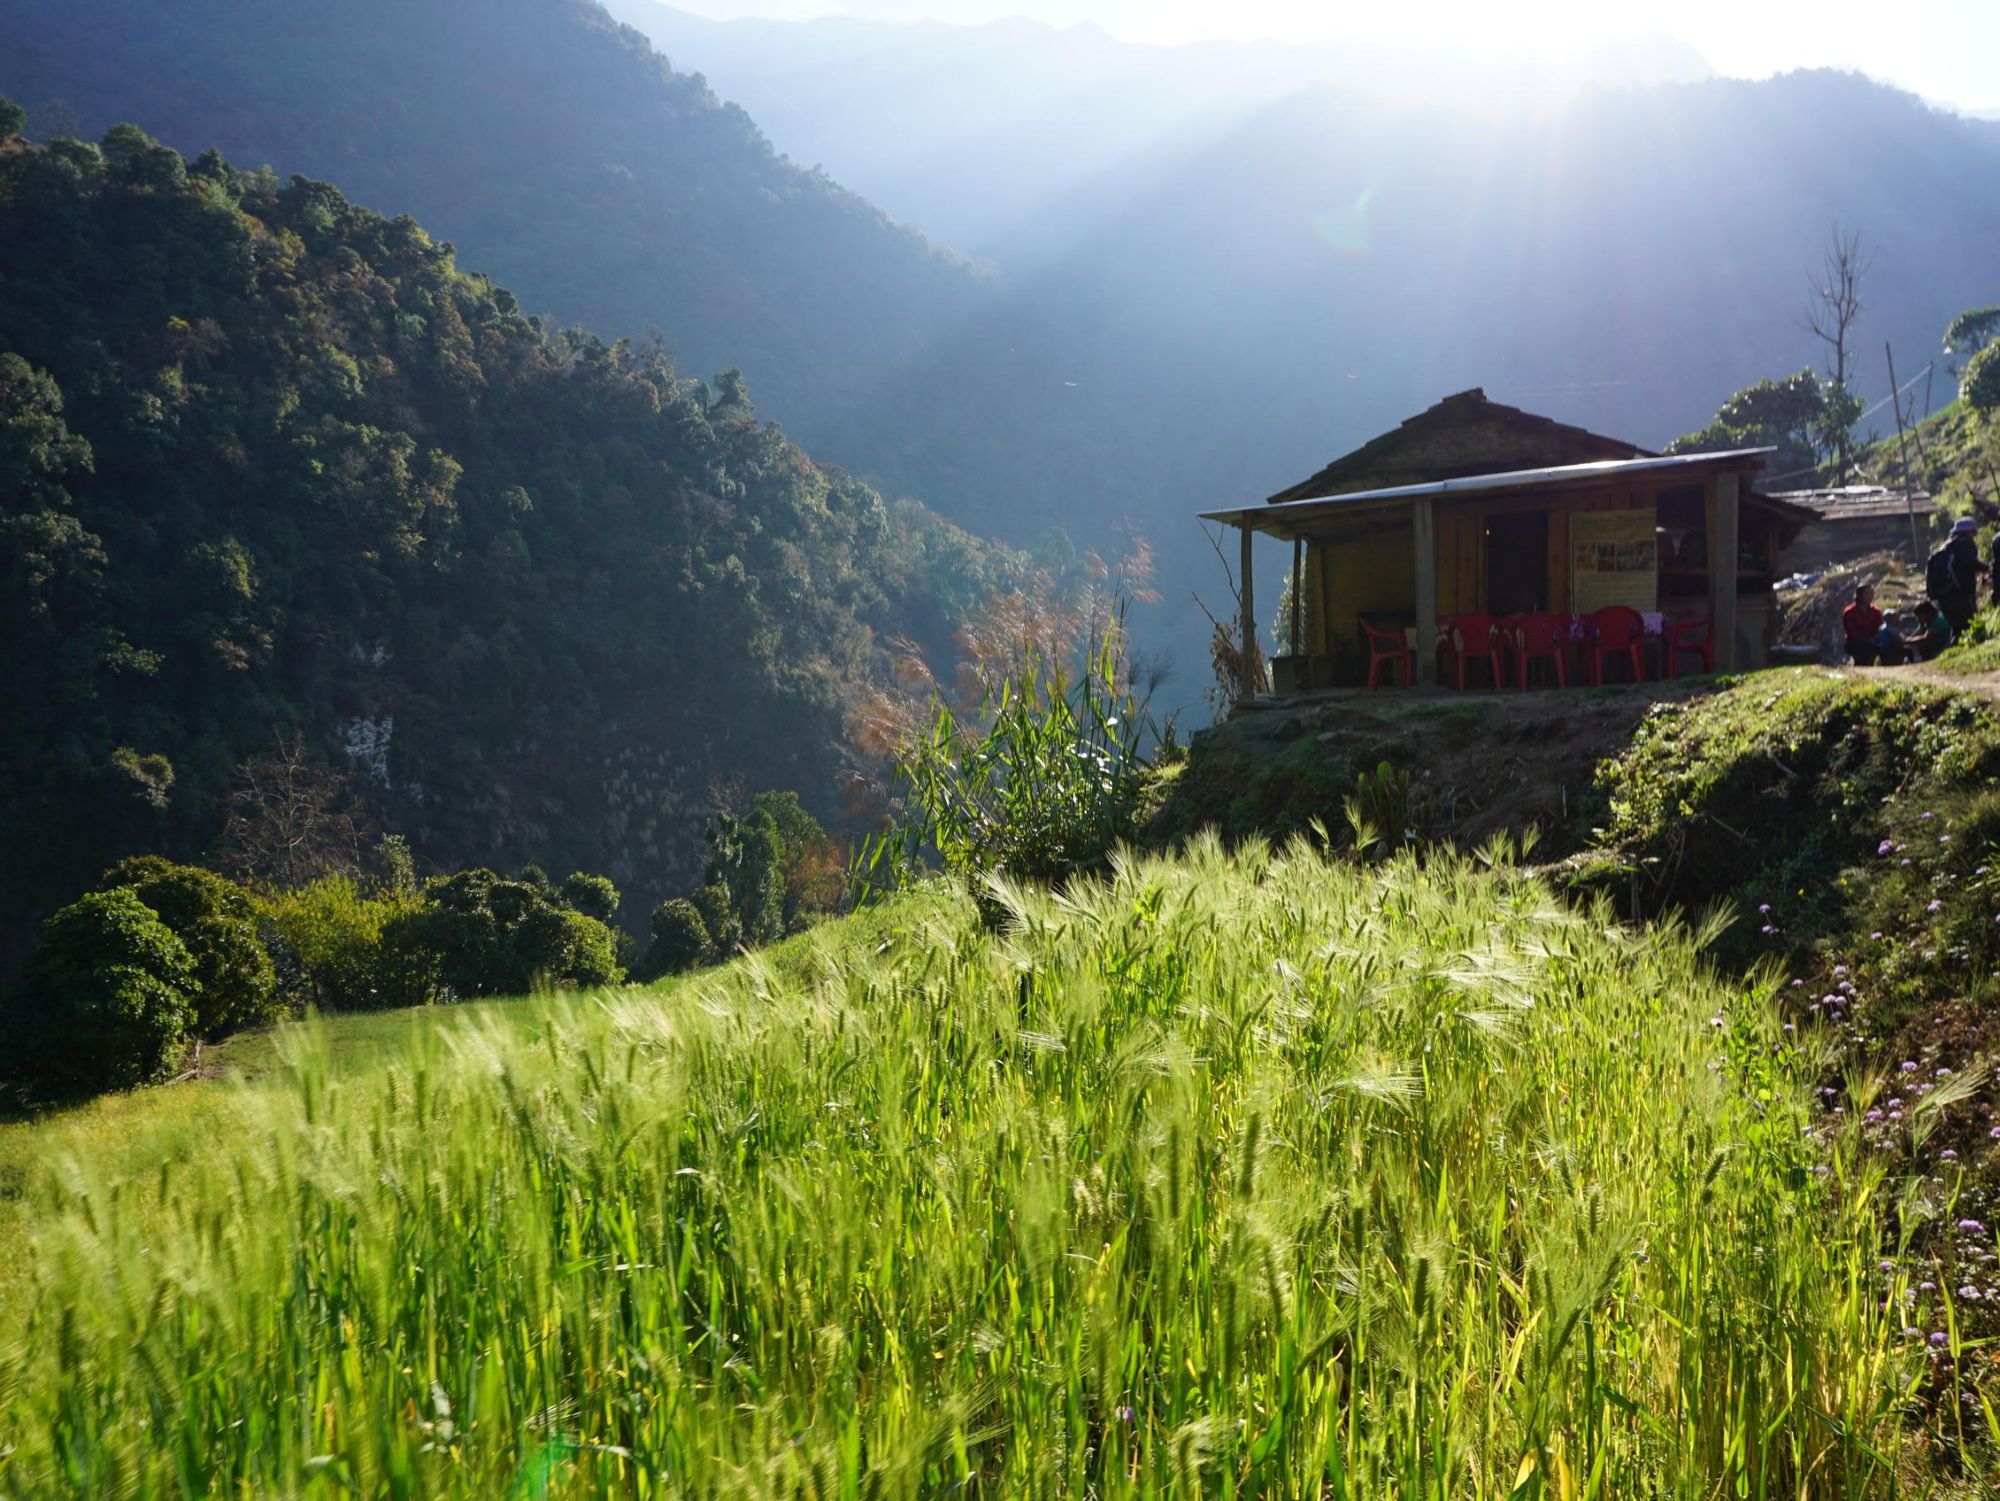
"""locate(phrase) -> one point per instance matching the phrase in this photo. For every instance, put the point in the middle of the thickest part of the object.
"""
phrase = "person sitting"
(1860, 625)
(1889, 650)
(1933, 634)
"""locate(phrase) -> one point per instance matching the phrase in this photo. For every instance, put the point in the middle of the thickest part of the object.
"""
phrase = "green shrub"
(326, 939)
(217, 922)
(477, 933)
(680, 938)
(106, 1000)
(1041, 784)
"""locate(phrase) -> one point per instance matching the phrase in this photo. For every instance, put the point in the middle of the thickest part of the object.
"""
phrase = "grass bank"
(1253, 1176)
(1848, 823)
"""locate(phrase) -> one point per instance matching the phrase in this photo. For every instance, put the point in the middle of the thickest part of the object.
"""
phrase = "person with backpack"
(1951, 574)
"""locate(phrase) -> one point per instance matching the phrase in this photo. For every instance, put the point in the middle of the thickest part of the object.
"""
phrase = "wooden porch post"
(1298, 592)
(1246, 688)
(1722, 570)
(1424, 525)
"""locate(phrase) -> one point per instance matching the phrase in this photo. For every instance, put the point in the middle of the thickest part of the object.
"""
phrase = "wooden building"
(1852, 522)
(1473, 506)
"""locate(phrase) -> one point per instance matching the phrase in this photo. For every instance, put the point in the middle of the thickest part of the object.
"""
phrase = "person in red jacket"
(1860, 624)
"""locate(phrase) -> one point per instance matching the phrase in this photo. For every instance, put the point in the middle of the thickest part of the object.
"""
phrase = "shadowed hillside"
(274, 468)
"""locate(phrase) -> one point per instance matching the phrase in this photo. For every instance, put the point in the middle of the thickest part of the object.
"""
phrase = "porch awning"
(1295, 518)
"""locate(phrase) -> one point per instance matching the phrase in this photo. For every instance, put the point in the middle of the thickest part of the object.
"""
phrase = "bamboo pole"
(1903, 447)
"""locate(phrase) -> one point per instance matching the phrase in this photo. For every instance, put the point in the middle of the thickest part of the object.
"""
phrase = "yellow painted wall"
(1362, 574)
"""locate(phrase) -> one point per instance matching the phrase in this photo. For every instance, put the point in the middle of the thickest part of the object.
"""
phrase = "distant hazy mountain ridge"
(553, 146)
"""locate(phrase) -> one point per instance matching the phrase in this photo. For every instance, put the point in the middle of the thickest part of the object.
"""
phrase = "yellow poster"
(1614, 560)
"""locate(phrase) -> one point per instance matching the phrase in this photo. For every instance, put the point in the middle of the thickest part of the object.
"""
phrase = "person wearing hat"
(1956, 586)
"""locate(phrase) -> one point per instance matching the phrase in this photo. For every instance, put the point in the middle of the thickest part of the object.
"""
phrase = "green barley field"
(1265, 1175)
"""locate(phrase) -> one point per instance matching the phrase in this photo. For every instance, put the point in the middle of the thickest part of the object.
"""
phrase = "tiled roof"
(1465, 434)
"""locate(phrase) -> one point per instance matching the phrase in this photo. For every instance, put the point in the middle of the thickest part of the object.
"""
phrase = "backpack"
(1940, 574)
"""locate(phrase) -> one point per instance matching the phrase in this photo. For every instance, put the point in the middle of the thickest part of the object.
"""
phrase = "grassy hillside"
(1257, 1176)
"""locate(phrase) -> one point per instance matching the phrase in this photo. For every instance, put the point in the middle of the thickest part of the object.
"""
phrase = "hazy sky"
(1947, 50)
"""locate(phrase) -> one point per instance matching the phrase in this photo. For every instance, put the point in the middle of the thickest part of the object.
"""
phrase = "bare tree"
(1833, 308)
(289, 818)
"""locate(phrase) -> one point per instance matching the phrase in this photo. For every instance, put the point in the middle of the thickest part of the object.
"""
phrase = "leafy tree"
(811, 865)
(1981, 385)
(713, 904)
(1792, 415)
(593, 896)
(1971, 331)
(37, 448)
(13, 119)
(680, 938)
(215, 920)
(135, 160)
(747, 859)
(482, 934)
(326, 944)
(106, 1000)
(395, 866)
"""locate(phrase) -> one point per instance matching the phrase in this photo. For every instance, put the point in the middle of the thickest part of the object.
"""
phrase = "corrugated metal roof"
(1280, 518)
(1851, 501)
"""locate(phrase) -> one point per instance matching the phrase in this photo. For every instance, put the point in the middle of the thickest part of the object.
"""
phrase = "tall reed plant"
(1040, 780)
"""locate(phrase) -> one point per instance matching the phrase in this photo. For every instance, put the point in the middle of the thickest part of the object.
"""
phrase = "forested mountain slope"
(270, 464)
(554, 147)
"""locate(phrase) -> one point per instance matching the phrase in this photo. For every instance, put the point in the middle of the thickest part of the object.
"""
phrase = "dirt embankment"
(1479, 763)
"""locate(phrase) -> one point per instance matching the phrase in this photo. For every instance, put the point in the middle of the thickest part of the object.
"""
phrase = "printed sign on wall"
(1614, 560)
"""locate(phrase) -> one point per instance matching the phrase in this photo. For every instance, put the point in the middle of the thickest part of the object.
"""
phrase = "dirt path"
(1984, 685)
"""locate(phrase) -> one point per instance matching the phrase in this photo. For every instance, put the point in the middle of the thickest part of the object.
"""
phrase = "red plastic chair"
(1616, 631)
(1474, 638)
(1696, 634)
(1535, 637)
(1388, 647)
